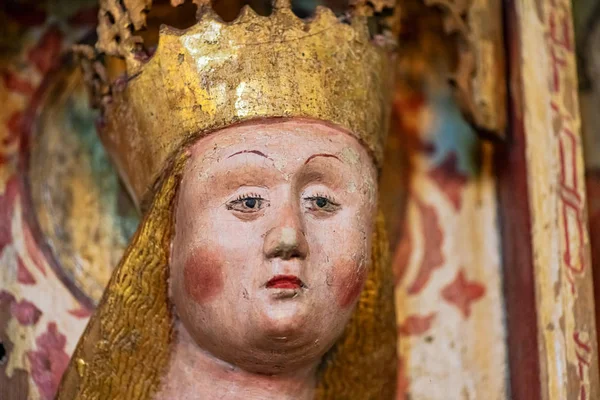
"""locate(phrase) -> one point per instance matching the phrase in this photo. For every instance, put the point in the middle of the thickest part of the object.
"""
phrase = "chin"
(285, 319)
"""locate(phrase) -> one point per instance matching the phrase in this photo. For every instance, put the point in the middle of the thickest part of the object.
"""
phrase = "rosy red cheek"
(202, 276)
(350, 281)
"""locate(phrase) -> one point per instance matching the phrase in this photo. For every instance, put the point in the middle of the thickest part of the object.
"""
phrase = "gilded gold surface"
(216, 74)
(125, 349)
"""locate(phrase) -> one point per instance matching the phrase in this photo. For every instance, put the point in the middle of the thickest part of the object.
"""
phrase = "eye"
(248, 203)
(322, 203)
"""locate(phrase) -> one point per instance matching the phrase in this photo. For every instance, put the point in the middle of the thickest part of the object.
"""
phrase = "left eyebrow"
(260, 153)
(321, 155)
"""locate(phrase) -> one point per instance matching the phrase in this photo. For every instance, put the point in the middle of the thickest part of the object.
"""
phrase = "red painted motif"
(46, 52)
(450, 180)
(7, 200)
(462, 293)
(25, 312)
(433, 257)
(14, 126)
(416, 324)
(6, 298)
(15, 84)
(81, 313)
(24, 277)
(560, 42)
(49, 361)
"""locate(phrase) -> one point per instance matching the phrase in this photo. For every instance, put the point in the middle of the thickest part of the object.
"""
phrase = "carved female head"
(258, 239)
(272, 242)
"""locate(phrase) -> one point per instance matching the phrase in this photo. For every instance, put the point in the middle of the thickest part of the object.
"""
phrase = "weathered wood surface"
(544, 95)
(452, 340)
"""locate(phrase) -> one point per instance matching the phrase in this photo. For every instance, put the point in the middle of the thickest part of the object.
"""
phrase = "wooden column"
(550, 302)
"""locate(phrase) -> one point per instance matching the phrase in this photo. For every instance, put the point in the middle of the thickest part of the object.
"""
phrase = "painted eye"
(321, 204)
(250, 203)
(247, 204)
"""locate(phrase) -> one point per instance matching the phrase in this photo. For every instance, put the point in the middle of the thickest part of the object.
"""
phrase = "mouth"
(285, 282)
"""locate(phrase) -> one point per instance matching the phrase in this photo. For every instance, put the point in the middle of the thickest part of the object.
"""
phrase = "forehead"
(290, 142)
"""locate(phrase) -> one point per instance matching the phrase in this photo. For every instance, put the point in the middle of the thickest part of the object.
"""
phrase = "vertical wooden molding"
(545, 106)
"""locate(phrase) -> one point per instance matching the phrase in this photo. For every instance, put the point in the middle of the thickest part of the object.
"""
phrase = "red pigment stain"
(13, 83)
(7, 201)
(14, 124)
(416, 325)
(25, 312)
(80, 313)
(45, 54)
(450, 179)
(433, 257)
(23, 275)
(351, 283)
(463, 292)
(49, 361)
(202, 276)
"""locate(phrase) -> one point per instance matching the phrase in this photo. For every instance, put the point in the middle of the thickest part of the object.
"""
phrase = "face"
(272, 242)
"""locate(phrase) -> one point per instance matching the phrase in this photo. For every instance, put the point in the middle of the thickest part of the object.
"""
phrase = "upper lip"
(285, 282)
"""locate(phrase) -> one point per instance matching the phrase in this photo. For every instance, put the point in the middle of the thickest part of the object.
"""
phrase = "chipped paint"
(563, 281)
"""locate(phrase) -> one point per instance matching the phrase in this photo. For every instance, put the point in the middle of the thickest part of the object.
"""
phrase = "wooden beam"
(552, 261)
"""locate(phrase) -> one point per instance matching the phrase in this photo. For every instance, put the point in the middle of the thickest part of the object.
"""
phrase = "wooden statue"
(260, 268)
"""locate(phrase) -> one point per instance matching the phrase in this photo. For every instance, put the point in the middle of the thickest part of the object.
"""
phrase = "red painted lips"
(285, 282)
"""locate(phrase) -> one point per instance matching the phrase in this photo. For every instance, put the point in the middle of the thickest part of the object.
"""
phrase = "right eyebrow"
(260, 153)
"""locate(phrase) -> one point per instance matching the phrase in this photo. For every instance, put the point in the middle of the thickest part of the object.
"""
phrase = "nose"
(286, 240)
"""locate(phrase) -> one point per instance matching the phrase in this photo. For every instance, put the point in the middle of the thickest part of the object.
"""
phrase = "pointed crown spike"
(280, 4)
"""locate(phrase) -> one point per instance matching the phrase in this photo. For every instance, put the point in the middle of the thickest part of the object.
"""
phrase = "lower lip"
(284, 282)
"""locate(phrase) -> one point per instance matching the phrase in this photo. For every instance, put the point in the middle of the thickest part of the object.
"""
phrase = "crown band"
(215, 74)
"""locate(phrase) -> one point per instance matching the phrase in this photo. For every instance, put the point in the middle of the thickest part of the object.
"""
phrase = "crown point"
(282, 4)
(246, 13)
(205, 12)
(324, 13)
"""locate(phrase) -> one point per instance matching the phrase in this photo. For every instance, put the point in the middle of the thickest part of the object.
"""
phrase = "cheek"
(350, 279)
(202, 275)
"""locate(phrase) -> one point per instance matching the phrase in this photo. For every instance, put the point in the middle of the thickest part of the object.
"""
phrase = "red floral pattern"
(462, 293)
(450, 180)
(25, 312)
(416, 324)
(433, 258)
(49, 361)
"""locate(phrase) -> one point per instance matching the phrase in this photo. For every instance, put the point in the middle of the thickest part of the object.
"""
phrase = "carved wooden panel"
(478, 75)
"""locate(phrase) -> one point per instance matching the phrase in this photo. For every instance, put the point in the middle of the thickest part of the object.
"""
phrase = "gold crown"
(215, 74)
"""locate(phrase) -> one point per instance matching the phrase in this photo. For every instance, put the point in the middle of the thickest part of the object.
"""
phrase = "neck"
(194, 373)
